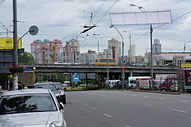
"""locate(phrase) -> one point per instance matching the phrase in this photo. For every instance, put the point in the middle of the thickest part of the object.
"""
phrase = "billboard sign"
(7, 43)
(185, 65)
(137, 18)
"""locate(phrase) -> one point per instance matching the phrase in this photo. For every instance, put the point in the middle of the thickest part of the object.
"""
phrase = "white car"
(56, 88)
(31, 108)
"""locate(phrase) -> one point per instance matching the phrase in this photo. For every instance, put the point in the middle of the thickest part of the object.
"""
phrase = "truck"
(184, 79)
(170, 84)
(27, 78)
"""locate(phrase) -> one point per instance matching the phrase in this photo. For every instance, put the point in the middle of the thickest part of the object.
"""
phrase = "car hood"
(39, 119)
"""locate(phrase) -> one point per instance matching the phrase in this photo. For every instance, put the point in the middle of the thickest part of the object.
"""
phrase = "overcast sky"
(64, 20)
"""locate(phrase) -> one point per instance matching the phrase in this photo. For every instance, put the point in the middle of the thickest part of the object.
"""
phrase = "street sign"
(75, 77)
(27, 69)
(123, 66)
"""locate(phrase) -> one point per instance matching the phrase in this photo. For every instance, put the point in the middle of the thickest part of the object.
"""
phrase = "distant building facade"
(114, 48)
(173, 58)
(47, 52)
(156, 46)
(88, 58)
(132, 50)
(71, 52)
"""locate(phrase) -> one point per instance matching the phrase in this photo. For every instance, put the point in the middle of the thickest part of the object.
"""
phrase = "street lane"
(127, 109)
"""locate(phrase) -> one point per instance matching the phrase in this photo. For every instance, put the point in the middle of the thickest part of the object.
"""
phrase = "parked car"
(31, 108)
(170, 84)
(56, 88)
(66, 85)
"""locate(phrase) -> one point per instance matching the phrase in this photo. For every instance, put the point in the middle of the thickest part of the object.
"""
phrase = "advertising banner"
(7, 43)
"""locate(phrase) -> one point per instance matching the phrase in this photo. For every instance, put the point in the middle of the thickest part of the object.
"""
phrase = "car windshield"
(132, 81)
(26, 103)
(46, 86)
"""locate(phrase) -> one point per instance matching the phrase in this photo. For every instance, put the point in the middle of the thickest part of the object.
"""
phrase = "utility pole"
(107, 67)
(98, 48)
(151, 31)
(15, 56)
(122, 57)
(130, 50)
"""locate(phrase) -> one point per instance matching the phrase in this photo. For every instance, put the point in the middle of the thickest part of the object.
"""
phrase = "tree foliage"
(26, 57)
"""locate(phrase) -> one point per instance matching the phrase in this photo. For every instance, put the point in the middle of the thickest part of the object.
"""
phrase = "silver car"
(56, 88)
(31, 108)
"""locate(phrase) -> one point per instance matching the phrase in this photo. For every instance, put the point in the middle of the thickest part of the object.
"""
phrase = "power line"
(2, 1)
(99, 8)
(114, 2)
(87, 28)
(163, 25)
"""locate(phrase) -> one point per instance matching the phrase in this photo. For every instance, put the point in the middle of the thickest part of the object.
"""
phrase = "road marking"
(107, 115)
(128, 126)
(181, 111)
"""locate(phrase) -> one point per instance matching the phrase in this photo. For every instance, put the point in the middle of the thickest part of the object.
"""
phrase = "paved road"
(127, 109)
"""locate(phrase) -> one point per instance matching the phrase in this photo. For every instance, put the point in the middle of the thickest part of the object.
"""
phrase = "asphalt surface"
(127, 109)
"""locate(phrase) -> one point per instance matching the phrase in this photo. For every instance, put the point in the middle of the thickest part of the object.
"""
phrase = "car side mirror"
(61, 106)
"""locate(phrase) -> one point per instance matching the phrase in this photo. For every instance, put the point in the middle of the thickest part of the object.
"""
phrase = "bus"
(141, 82)
(105, 61)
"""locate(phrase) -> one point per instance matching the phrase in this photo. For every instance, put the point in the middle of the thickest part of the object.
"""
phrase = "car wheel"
(64, 100)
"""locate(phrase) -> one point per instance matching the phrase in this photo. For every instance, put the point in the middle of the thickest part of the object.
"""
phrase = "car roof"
(26, 91)
(39, 83)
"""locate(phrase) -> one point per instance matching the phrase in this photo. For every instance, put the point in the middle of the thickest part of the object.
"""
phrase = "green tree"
(26, 57)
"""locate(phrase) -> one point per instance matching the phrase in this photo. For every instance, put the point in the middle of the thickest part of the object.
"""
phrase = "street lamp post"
(185, 49)
(151, 31)
(107, 66)
(185, 45)
(122, 70)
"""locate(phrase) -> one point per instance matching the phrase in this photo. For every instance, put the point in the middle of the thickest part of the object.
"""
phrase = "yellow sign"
(7, 43)
(186, 65)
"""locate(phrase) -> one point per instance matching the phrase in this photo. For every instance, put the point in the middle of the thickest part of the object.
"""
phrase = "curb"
(160, 92)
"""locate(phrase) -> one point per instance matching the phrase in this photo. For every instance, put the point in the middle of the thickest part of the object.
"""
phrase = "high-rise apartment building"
(71, 51)
(156, 46)
(47, 52)
(132, 50)
(115, 47)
